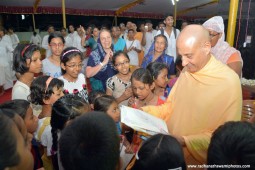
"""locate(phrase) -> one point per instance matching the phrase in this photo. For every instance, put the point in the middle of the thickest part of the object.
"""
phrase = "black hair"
(48, 27)
(103, 103)
(34, 33)
(56, 35)
(160, 152)
(142, 75)
(163, 36)
(67, 54)
(9, 156)
(65, 108)
(117, 54)
(168, 15)
(90, 142)
(63, 28)
(20, 55)
(233, 143)
(40, 91)
(155, 69)
(18, 106)
(148, 21)
(95, 94)
(161, 23)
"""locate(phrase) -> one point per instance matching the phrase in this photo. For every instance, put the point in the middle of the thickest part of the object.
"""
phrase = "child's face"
(31, 121)
(122, 64)
(114, 112)
(162, 79)
(35, 64)
(141, 90)
(56, 45)
(73, 67)
(57, 93)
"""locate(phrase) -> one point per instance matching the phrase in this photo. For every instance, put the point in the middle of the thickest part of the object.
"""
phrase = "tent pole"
(64, 13)
(175, 12)
(233, 8)
(115, 20)
(33, 17)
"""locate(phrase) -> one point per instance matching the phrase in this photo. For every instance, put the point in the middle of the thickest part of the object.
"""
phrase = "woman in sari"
(100, 66)
(157, 54)
(220, 48)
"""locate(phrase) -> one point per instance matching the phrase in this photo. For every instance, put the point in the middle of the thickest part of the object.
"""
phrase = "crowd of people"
(65, 114)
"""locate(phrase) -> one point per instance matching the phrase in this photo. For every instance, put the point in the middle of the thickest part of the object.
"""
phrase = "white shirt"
(14, 39)
(45, 45)
(171, 48)
(149, 37)
(133, 55)
(77, 43)
(72, 35)
(36, 40)
(68, 41)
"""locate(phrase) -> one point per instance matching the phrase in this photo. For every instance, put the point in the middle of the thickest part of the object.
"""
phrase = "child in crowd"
(71, 65)
(160, 152)
(109, 105)
(26, 63)
(118, 86)
(90, 142)
(24, 110)
(143, 86)
(64, 110)
(15, 142)
(51, 65)
(178, 68)
(45, 91)
(92, 97)
(159, 72)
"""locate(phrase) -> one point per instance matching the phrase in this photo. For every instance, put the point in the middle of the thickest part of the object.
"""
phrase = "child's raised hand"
(128, 93)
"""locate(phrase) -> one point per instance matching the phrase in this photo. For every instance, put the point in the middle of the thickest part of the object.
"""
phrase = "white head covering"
(222, 51)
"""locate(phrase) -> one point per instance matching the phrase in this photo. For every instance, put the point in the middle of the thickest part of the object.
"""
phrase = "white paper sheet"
(142, 121)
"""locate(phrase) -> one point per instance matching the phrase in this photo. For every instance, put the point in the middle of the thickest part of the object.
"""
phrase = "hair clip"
(24, 50)
(48, 82)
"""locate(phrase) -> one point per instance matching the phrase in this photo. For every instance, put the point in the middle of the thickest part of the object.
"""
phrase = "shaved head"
(193, 44)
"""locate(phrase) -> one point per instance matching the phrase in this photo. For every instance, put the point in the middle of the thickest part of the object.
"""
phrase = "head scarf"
(222, 50)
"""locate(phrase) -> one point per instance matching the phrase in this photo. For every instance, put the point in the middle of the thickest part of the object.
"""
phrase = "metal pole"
(175, 12)
(233, 8)
(33, 17)
(64, 13)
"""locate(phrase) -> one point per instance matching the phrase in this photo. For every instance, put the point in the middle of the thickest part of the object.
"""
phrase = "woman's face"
(114, 112)
(140, 89)
(23, 139)
(56, 45)
(31, 121)
(214, 37)
(35, 63)
(162, 79)
(160, 44)
(106, 39)
(122, 64)
(95, 32)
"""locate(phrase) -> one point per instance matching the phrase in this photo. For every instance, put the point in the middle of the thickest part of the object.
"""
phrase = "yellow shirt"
(198, 104)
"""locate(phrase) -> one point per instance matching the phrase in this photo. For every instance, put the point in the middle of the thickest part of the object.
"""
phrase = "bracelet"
(101, 64)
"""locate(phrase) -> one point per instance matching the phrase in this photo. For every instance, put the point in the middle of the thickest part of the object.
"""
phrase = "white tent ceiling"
(200, 8)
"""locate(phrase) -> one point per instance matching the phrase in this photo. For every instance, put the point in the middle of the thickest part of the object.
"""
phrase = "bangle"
(101, 64)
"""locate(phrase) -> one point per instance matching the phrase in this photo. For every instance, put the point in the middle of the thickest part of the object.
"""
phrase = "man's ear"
(207, 47)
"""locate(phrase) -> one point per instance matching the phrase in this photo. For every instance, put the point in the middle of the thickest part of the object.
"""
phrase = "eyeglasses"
(75, 65)
(213, 35)
(56, 45)
(121, 64)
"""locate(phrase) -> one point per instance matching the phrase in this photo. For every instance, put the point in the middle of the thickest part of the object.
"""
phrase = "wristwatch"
(101, 64)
